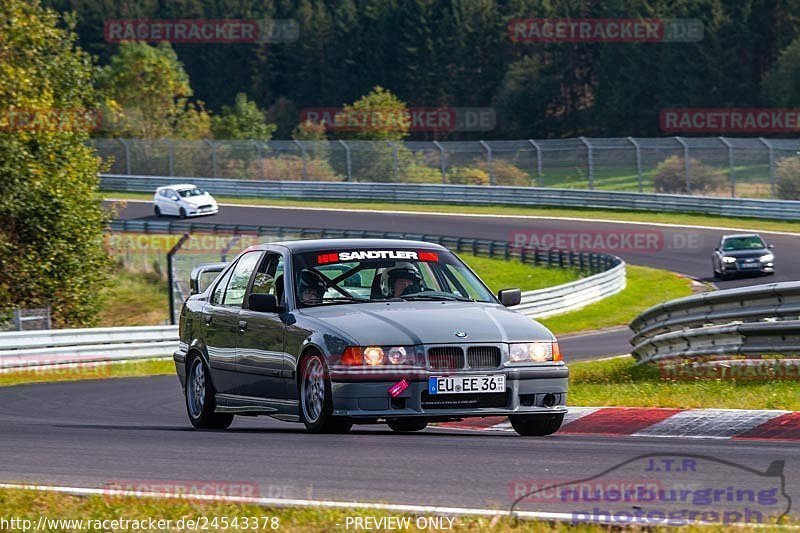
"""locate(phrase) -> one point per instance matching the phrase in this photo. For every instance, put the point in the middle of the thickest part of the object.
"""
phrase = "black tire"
(407, 425)
(536, 425)
(316, 399)
(200, 397)
(182, 213)
(157, 211)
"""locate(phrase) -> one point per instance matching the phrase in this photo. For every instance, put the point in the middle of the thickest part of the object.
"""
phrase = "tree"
(51, 218)
(147, 95)
(242, 121)
(377, 116)
(782, 83)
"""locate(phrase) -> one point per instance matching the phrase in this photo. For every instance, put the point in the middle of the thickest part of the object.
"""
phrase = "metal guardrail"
(607, 274)
(749, 321)
(33, 349)
(467, 194)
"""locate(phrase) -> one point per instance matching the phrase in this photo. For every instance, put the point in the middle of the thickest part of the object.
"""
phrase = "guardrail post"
(489, 161)
(590, 161)
(348, 162)
(213, 157)
(442, 163)
(686, 164)
(730, 165)
(771, 152)
(171, 276)
(303, 157)
(538, 182)
(638, 162)
(127, 147)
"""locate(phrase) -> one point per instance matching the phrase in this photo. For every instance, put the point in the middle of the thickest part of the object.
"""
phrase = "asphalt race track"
(679, 249)
(135, 431)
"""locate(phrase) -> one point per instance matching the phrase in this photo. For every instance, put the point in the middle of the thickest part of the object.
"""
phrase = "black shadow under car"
(337, 332)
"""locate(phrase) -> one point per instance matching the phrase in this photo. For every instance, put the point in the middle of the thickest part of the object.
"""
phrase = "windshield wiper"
(449, 297)
(338, 300)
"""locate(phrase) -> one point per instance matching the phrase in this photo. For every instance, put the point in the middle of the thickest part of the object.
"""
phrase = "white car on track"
(183, 200)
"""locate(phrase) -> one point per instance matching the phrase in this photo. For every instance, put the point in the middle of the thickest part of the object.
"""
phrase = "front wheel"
(316, 399)
(536, 425)
(182, 213)
(200, 400)
(157, 211)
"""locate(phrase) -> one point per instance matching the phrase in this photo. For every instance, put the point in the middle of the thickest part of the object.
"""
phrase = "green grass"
(122, 369)
(685, 219)
(31, 505)
(499, 274)
(645, 287)
(134, 299)
(620, 382)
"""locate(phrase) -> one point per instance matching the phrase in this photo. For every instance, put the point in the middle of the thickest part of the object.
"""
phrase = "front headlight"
(728, 259)
(536, 352)
(766, 258)
(378, 356)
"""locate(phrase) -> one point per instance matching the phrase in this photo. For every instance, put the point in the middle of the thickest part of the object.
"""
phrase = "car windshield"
(750, 242)
(186, 193)
(367, 275)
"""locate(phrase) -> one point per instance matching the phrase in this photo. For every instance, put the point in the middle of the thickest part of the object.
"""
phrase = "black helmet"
(311, 281)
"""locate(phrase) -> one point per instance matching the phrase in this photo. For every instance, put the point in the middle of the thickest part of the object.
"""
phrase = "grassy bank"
(123, 369)
(683, 219)
(620, 382)
(134, 299)
(646, 287)
(31, 505)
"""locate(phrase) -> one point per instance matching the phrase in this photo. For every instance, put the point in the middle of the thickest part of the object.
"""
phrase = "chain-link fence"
(28, 320)
(712, 166)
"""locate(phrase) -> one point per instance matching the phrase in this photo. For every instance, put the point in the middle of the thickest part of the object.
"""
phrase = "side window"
(219, 290)
(264, 282)
(234, 294)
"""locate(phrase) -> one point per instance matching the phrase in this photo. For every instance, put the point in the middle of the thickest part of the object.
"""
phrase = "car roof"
(740, 235)
(179, 186)
(313, 245)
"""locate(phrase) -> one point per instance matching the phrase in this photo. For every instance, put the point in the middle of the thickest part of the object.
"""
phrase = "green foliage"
(391, 120)
(51, 220)
(787, 178)
(670, 177)
(147, 95)
(467, 176)
(782, 83)
(242, 121)
(505, 173)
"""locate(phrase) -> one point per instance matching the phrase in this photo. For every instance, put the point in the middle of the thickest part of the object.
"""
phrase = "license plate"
(466, 384)
(749, 265)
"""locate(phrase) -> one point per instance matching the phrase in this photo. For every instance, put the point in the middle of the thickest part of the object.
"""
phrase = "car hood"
(747, 254)
(205, 199)
(406, 323)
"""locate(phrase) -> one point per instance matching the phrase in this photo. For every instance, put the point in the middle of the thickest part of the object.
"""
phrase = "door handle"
(242, 326)
(208, 318)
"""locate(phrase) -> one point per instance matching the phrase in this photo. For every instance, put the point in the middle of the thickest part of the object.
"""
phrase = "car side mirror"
(264, 303)
(770, 246)
(509, 297)
(174, 198)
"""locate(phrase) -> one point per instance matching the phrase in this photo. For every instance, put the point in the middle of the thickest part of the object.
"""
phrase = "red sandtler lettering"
(617, 421)
(783, 427)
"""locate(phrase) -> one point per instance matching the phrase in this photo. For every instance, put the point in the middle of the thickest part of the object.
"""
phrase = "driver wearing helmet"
(400, 280)
(311, 287)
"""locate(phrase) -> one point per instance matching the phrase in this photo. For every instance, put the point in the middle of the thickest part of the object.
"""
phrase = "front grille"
(464, 401)
(205, 207)
(446, 358)
(483, 357)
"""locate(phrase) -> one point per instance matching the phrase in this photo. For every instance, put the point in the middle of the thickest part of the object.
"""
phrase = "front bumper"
(526, 388)
(748, 267)
(194, 212)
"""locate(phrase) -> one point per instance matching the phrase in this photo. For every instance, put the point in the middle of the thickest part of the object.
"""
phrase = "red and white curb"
(660, 422)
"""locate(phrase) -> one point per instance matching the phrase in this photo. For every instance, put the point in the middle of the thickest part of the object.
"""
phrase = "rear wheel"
(200, 400)
(407, 425)
(536, 425)
(316, 399)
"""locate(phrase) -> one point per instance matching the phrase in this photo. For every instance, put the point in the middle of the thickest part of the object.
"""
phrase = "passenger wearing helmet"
(311, 287)
(400, 280)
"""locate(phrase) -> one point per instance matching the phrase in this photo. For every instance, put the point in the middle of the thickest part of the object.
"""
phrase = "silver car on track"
(337, 332)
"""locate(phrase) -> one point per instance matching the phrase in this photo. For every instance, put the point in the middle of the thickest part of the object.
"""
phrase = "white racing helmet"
(400, 271)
